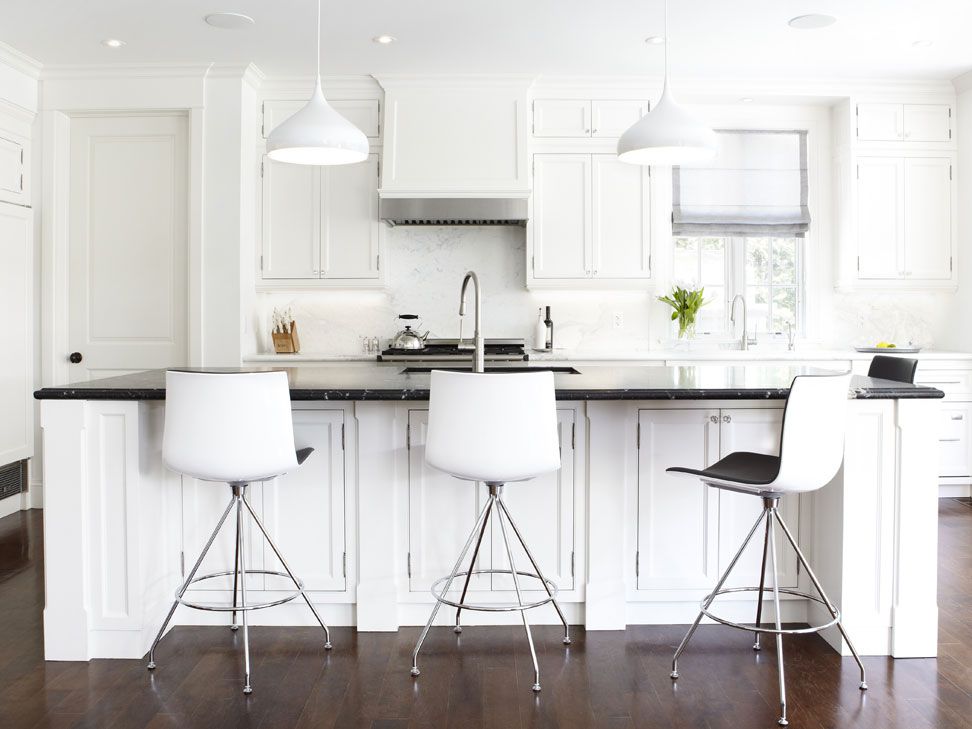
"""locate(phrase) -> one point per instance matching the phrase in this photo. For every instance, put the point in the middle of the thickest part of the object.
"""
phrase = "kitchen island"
(369, 526)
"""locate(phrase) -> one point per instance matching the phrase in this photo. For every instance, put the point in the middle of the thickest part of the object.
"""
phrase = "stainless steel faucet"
(744, 340)
(479, 357)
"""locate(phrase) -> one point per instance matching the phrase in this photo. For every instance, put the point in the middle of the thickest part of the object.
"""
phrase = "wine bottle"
(548, 323)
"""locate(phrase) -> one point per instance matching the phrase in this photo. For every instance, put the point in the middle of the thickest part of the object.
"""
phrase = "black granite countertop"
(587, 382)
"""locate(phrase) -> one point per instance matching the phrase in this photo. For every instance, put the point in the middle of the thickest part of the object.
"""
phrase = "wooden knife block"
(286, 343)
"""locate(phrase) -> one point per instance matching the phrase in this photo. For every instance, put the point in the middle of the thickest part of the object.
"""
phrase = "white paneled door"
(16, 375)
(128, 243)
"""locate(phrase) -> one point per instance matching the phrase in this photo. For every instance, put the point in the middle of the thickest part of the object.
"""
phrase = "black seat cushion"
(302, 454)
(754, 469)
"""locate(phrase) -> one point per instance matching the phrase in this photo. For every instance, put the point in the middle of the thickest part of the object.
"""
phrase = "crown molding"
(10, 56)
(415, 80)
(282, 87)
(962, 83)
(139, 70)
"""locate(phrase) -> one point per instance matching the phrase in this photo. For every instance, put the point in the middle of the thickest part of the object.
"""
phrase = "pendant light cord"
(319, 42)
(666, 42)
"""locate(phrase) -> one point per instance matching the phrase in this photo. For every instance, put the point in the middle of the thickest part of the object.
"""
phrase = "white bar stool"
(811, 451)
(493, 428)
(235, 428)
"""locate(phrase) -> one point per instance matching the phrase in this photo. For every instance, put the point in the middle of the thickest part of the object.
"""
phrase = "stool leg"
(830, 606)
(480, 521)
(472, 565)
(762, 584)
(297, 583)
(536, 568)
(241, 545)
(711, 596)
(236, 574)
(779, 636)
(519, 599)
(188, 581)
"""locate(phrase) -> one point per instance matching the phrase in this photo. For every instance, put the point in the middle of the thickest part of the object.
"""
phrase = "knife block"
(286, 342)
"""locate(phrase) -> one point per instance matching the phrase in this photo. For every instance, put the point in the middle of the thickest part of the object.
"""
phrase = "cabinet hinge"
(263, 120)
(342, 436)
(408, 437)
(182, 564)
(408, 564)
(261, 169)
(950, 264)
(22, 180)
(858, 263)
(858, 172)
(377, 263)
(379, 169)
(638, 437)
(649, 264)
(571, 564)
(533, 264)
(573, 436)
(261, 263)
(950, 172)
(344, 564)
(637, 564)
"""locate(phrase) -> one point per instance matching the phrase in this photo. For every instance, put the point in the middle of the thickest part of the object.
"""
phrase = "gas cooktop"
(451, 350)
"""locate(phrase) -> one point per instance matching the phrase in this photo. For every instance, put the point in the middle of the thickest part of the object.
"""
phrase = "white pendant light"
(317, 134)
(668, 134)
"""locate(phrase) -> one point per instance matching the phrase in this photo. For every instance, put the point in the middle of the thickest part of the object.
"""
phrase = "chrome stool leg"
(480, 521)
(241, 544)
(762, 584)
(236, 574)
(830, 606)
(297, 583)
(519, 598)
(536, 568)
(770, 517)
(188, 581)
(712, 595)
(472, 565)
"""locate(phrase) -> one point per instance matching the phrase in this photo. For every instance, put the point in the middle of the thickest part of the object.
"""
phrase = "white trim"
(101, 72)
(19, 61)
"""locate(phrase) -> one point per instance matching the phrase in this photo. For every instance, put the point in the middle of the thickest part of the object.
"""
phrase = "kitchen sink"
(555, 370)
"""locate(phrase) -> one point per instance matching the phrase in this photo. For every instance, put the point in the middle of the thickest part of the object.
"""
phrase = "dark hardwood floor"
(613, 680)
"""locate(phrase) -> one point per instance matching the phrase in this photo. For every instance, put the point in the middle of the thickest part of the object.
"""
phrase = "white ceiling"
(710, 38)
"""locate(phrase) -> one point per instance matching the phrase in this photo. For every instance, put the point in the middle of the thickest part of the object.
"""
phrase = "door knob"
(75, 358)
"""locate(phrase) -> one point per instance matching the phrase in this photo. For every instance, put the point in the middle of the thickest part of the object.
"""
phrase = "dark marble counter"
(591, 382)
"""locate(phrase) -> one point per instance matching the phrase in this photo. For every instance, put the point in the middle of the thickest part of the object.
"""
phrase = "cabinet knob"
(714, 418)
(726, 419)
(75, 358)
(587, 131)
(595, 131)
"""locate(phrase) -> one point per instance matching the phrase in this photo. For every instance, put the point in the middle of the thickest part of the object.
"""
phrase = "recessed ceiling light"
(813, 21)
(746, 100)
(655, 40)
(112, 43)
(229, 21)
(921, 44)
(384, 39)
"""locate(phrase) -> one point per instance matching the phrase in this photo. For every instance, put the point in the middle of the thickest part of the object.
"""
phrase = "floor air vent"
(11, 479)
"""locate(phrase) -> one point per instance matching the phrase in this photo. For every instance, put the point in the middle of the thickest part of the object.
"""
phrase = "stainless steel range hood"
(453, 210)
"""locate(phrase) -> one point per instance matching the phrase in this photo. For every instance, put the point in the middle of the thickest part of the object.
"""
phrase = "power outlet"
(619, 320)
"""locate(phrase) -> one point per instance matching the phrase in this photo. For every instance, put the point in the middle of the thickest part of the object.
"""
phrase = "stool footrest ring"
(225, 608)
(771, 631)
(439, 594)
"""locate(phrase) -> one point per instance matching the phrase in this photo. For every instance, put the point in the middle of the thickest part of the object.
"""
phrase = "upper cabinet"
(456, 135)
(584, 118)
(320, 225)
(879, 122)
(363, 113)
(590, 225)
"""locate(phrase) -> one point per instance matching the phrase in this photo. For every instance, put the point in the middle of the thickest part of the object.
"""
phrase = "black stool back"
(899, 369)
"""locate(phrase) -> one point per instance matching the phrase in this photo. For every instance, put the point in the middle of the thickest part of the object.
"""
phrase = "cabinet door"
(544, 512)
(677, 515)
(621, 223)
(927, 218)
(304, 510)
(955, 440)
(756, 431)
(442, 510)
(561, 118)
(16, 301)
(562, 216)
(880, 122)
(291, 220)
(350, 220)
(927, 122)
(612, 118)
(363, 113)
(12, 170)
(879, 193)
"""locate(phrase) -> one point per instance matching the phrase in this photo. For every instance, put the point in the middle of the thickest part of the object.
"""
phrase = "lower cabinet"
(303, 511)
(687, 532)
(442, 510)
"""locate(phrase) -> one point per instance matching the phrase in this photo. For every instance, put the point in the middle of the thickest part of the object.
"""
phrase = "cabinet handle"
(587, 131)
(726, 419)
(714, 418)
(958, 417)
(595, 131)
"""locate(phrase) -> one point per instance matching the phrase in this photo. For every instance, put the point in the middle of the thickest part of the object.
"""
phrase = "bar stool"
(811, 451)
(235, 428)
(497, 429)
(899, 369)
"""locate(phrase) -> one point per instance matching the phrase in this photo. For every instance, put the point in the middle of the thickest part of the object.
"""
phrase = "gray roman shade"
(755, 186)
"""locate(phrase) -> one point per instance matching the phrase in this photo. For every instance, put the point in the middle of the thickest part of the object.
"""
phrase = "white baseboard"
(35, 496)
(950, 491)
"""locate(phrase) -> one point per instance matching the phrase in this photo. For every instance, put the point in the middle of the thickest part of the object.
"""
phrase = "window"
(766, 271)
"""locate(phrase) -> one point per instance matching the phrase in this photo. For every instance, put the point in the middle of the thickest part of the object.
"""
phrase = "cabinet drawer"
(951, 382)
(954, 440)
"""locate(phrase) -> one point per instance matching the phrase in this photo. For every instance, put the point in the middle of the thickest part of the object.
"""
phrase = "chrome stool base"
(239, 573)
(772, 516)
(440, 587)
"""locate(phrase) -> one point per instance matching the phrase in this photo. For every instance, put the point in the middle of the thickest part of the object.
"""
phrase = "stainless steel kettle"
(407, 338)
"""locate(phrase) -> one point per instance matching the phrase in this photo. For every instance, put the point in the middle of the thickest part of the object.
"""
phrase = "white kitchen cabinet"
(16, 301)
(678, 517)
(904, 218)
(13, 169)
(955, 440)
(443, 510)
(321, 224)
(363, 113)
(585, 118)
(590, 223)
(882, 122)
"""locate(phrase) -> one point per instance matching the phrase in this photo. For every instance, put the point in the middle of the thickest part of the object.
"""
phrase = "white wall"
(957, 317)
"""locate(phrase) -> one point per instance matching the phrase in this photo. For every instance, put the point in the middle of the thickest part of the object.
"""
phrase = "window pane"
(713, 260)
(784, 308)
(784, 260)
(712, 315)
(686, 260)
(757, 261)
(758, 308)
